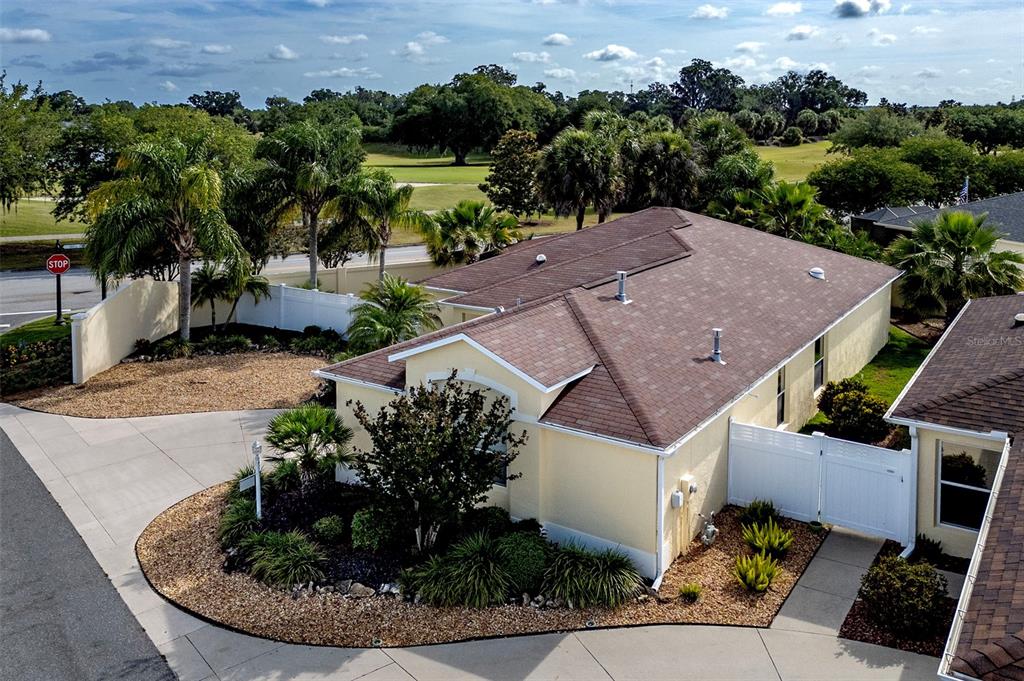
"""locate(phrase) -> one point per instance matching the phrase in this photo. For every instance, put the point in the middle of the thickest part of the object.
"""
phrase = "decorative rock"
(416, 599)
(537, 602)
(344, 586)
(361, 590)
(559, 603)
(526, 599)
(550, 603)
(643, 598)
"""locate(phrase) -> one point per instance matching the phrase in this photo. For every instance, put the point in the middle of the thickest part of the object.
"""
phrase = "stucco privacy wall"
(849, 345)
(354, 278)
(955, 541)
(106, 333)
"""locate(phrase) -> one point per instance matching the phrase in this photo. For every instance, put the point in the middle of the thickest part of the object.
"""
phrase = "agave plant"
(756, 573)
(310, 434)
(768, 538)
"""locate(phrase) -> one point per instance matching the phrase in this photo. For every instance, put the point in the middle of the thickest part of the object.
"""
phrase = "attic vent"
(716, 346)
(1018, 319)
(541, 258)
(816, 272)
(621, 295)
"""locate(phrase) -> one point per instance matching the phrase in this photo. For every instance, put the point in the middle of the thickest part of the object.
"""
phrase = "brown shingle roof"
(974, 379)
(651, 381)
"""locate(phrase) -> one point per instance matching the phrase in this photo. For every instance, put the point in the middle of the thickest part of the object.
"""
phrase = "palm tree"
(789, 209)
(393, 311)
(244, 281)
(307, 166)
(168, 196)
(209, 284)
(577, 169)
(311, 434)
(469, 231)
(950, 260)
(373, 200)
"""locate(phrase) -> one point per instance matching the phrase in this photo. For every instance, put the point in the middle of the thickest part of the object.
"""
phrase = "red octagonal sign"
(58, 263)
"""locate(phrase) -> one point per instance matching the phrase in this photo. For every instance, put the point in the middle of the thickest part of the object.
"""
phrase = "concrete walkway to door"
(113, 476)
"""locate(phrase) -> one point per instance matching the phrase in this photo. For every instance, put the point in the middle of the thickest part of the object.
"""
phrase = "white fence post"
(280, 306)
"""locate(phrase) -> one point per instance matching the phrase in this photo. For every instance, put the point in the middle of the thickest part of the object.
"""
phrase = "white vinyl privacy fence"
(294, 309)
(816, 477)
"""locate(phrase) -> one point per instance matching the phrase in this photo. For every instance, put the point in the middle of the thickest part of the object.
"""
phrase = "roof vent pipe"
(621, 295)
(716, 346)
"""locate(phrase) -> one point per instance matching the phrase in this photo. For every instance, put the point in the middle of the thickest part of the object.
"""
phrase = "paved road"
(60, 617)
(25, 296)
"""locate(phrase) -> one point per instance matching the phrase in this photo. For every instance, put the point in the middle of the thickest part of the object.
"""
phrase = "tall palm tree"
(308, 163)
(243, 281)
(310, 434)
(469, 231)
(372, 199)
(789, 209)
(393, 311)
(577, 169)
(168, 195)
(952, 259)
(209, 284)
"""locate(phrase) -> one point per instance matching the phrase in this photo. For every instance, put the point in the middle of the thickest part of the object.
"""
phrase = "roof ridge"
(647, 425)
(504, 283)
(971, 388)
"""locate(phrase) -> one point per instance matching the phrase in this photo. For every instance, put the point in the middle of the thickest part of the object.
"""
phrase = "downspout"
(914, 451)
(659, 552)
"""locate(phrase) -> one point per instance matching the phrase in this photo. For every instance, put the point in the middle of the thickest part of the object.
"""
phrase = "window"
(965, 481)
(819, 362)
(780, 398)
(499, 448)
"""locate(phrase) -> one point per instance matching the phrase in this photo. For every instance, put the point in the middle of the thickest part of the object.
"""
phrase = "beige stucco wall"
(354, 278)
(956, 541)
(106, 333)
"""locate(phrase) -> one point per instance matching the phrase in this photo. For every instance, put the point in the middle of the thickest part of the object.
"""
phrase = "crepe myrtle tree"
(436, 452)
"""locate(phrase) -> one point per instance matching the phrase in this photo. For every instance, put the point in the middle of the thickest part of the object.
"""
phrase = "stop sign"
(58, 263)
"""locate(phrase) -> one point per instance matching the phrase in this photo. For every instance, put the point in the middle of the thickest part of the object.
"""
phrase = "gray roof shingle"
(1005, 214)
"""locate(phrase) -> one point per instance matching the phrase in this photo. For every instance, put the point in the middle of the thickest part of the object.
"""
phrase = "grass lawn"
(412, 166)
(548, 224)
(33, 218)
(444, 196)
(794, 163)
(894, 365)
(31, 255)
(39, 330)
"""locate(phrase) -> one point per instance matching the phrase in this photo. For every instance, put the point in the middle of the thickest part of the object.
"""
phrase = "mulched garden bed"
(857, 627)
(182, 386)
(182, 560)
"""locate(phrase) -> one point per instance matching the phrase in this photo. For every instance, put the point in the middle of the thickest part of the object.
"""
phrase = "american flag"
(961, 198)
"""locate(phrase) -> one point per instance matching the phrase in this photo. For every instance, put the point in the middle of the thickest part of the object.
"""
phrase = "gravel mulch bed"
(858, 627)
(180, 556)
(182, 386)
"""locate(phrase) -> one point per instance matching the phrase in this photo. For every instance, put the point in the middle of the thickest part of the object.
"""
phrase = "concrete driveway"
(112, 477)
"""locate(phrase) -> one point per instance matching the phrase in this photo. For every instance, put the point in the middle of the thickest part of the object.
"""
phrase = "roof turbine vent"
(817, 273)
(716, 346)
(541, 258)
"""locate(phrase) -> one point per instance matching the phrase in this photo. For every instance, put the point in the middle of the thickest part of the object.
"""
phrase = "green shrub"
(690, 592)
(234, 492)
(584, 579)
(36, 364)
(330, 530)
(792, 136)
(755, 573)
(172, 348)
(927, 549)
(828, 394)
(768, 538)
(759, 512)
(527, 526)
(470, 574)
(285, 477)
(225, 344)
(316, 345)
(858, 417)
(270, 343)
(237, 522)
(524, 557)
(283, 558)
(904, 598)
(373, 530)
(143, 346)
(493, 520)
(312, 329)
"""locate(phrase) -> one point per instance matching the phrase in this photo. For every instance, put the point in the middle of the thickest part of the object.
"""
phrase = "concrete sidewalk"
(113, 476)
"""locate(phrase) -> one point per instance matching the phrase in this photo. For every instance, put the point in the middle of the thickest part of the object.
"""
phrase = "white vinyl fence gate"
(816, 477)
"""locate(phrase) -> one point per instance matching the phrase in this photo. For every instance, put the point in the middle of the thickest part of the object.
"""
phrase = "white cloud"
(929, 73)
(802, 32)
(750, 47)
(741, 62)
(431, 38)
(283, 53)
(343, 39)
(784, 9)
(169, 44)
(215, 48)
(651, 70)
(343, 72)
(168, 86)
(671, 51)
(530, 57)
(925, 30)
(786, 64)
(24, 35)
(880, 39)
(560, 73)
(851, 9)
(870, 70)
(318, 3)
(557, 39)
(611, 53)
(412, 50)
(710, 12)
(964, 72)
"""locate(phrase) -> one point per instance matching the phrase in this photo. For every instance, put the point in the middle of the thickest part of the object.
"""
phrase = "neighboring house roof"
(889, 212)
(640, 372)
(974, 379)
(1005, 214)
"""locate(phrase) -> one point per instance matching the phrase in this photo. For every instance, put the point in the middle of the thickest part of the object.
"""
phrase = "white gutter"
(972, 574)
(994, 435)
(915, 446)
(659, 553)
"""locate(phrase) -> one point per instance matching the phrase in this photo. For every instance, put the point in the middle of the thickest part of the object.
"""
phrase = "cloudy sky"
(149, 50)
